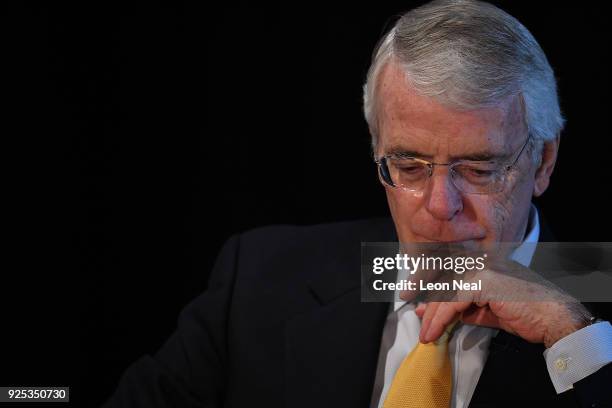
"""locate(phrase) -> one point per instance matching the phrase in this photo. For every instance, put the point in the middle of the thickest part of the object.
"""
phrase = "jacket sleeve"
(190, 370)
(595, 390)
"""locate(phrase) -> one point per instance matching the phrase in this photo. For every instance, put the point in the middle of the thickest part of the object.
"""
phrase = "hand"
(551, 317)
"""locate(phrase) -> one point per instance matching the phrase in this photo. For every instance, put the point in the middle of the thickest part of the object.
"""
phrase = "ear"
(547, 165)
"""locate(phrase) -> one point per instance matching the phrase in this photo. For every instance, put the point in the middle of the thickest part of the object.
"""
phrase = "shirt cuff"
(579, 355)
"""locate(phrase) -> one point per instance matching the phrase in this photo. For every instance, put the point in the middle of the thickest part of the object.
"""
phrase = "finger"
(430, 311)
(445, 314)
(480, 316)
(420, 309)
(425, 276)
(408, 295)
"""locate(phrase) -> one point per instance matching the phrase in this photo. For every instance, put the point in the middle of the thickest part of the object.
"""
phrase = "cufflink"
(561, 364)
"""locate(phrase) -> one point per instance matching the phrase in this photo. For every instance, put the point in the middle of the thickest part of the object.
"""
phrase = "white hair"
(469, 54)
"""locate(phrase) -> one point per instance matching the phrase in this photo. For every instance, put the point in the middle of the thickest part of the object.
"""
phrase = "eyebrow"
(484, 155)
(398, 151)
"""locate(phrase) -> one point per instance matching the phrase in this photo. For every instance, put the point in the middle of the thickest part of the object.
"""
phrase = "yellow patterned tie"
(424, 379)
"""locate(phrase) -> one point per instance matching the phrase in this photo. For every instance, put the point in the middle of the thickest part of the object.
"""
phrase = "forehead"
(407, 118)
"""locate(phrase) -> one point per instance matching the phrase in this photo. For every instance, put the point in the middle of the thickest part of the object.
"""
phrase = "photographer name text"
(422, 285)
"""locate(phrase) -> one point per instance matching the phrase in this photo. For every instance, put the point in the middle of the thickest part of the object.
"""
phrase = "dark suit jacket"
(282, 325)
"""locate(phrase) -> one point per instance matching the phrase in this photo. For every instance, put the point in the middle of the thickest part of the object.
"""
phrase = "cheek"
(503, 213)
(393, 201)
(489, 211)
(404, 201)
(402, 204)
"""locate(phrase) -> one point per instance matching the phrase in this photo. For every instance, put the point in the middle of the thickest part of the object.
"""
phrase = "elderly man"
(465, 121)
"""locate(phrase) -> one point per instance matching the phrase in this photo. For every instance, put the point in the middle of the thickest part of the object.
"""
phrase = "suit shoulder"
(280, 259)
(365, 230)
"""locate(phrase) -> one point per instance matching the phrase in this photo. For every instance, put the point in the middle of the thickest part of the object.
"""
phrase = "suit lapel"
(516, 370)
(331, 351)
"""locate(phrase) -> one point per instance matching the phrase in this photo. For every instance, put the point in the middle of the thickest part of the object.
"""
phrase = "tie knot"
(424, 378)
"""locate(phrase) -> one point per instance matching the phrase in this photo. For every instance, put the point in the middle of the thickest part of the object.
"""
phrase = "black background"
(140, 137)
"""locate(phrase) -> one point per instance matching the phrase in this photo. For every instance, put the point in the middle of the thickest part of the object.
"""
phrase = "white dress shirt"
(570, 359)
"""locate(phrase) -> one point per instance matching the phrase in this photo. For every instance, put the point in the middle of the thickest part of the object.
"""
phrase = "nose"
(443, 200)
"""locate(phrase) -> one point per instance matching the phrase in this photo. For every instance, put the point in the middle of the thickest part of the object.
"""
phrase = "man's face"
(410, 122)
